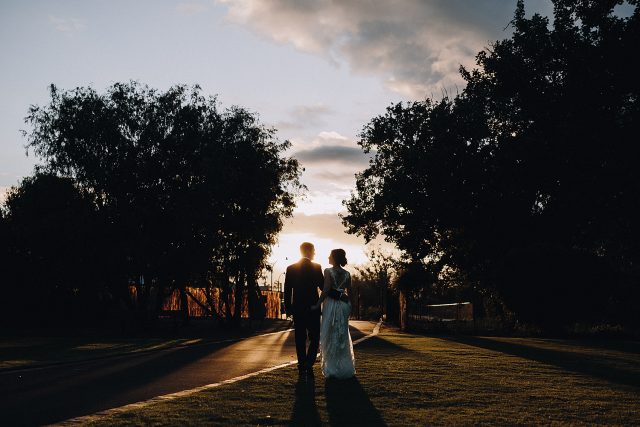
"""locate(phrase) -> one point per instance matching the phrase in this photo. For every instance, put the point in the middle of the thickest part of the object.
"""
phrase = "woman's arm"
(325, 289)
(327, 286)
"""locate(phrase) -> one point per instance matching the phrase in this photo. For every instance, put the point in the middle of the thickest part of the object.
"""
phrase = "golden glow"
(287, 251)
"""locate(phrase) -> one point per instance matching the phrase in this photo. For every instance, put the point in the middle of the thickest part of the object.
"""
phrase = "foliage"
(372, 293)
(53, 266)
(380, 267)
(538, 153)
(186, 193)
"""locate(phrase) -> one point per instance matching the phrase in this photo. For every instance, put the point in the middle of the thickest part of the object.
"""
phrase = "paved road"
(50, 394)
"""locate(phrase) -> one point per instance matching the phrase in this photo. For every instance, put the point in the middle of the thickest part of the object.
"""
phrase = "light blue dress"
(336, 347)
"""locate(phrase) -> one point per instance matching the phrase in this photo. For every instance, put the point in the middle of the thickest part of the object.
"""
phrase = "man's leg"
(313, 326)
(300, 332)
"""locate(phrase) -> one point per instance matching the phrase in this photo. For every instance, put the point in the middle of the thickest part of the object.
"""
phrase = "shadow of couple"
(347, 404)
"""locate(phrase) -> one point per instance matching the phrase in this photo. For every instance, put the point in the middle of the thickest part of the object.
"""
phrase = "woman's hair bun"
(339, 256)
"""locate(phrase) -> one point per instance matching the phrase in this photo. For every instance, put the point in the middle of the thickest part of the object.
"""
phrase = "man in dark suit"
(301, 285)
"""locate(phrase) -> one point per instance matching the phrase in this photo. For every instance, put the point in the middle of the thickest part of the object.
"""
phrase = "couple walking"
(302, 282)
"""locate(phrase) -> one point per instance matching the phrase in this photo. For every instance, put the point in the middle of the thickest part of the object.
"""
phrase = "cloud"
(331, 136)
(330, 148)
(323, 138)
(322, 202)
(415, 47)
(332, 154)
(310, 112)
(190, 8)
(67, 25)
(331, 161)
(302, 116)
(342, 178)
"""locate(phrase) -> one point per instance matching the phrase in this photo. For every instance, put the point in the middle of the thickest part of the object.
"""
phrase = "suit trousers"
(307, 325)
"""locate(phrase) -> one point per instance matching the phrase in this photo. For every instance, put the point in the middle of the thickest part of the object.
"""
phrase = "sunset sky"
(318, 71)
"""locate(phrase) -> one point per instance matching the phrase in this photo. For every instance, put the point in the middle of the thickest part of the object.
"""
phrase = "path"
(50, 394)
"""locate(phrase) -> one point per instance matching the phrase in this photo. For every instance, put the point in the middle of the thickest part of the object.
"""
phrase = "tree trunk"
(403, 311)
(213, 309)
(385, 302)
(239, 294)
(225, 299)
(257, 308)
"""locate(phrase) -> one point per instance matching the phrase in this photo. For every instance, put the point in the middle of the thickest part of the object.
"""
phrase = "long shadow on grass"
(630, 347)
(570, 361)
(348, 404)
(305, 411)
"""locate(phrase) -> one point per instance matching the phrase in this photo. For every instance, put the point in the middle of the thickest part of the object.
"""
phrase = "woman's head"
(338, 257)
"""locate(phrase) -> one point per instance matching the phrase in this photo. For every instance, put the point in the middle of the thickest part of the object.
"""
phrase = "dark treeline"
(372, 293)
(522, 192)
(141, 190)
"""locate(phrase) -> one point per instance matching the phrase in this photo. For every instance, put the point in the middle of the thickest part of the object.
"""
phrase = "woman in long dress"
(336, 347)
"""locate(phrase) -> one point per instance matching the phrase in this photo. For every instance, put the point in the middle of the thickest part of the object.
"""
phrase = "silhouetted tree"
(378, 271)
(188, 193)
(537, 154)
(54, 265)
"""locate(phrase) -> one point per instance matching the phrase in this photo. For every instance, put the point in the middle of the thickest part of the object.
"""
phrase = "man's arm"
(319, 278)
(288, 290)
(326, 287)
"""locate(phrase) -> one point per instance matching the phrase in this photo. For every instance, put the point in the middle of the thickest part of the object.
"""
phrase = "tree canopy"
(535, 160)
(185, 193)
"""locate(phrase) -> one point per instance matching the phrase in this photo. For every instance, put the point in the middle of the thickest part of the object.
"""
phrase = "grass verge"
(406, 379)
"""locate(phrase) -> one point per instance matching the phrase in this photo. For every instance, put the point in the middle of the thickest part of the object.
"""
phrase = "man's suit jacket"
(301, 285)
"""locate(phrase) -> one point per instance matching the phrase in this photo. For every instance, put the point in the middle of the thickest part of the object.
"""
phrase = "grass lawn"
(405, 379)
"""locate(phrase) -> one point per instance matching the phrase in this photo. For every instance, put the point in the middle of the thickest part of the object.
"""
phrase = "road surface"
(50, 394)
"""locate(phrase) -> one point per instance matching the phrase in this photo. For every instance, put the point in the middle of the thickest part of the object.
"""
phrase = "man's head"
(307, 250)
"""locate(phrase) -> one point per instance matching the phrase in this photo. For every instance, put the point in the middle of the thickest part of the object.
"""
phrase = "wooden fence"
(197, 300)
(454, 317)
